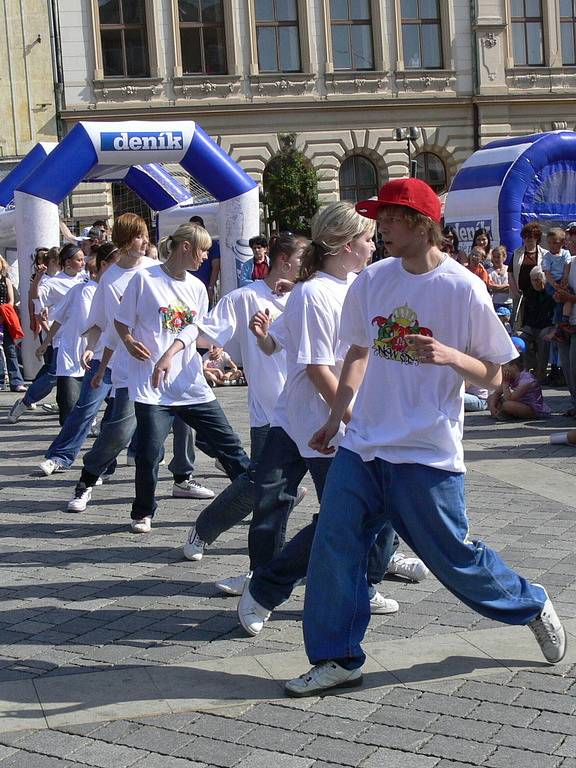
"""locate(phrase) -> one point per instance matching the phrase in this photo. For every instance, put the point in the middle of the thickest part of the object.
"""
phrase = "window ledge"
(357, 81)
(425, 80)
(282, 83)
(127, 89)
(206, 86)
(546, 78)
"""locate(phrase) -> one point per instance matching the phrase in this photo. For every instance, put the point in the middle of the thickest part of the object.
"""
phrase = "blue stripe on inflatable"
(214, 169)
(12, 181)
(158, 188)
(513, 141)
(478, 176)
(63, 169)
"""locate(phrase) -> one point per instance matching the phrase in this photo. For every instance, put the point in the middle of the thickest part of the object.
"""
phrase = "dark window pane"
(533, 8)
(534, 42)
(190, 45)
(359, 9)
(566, 8)
(431, 46)
(215, 50)
(518, 8)
(109, 11)
(429, 9)
(136, 53)
(286, 10)
(347, 173)
(365, 172)
(567, 30)
(264, 10)
(411, 46)
(341, 46)
(212, 12)
(133, 11)
(361, 35)
(189, 10)
(409, 9)
(112, 52)
(267, 53)
(357, 179)
(518, 44)
(339, 9)
(289, 49)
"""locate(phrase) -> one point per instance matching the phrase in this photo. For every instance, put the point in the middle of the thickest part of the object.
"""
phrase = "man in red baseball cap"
(418, 325)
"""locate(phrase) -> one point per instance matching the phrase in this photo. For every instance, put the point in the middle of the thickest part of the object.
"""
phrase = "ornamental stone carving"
(339, 83)
(122, 91)
(191, 87)
(414, 81)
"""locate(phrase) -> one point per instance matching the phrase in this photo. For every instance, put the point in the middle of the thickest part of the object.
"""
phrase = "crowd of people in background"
(139, 328)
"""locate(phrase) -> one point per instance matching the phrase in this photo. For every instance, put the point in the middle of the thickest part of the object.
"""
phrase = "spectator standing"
(209, 270)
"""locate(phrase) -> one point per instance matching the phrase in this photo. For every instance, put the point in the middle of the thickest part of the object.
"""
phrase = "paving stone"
(113, 731)
(395, 738)
(23, 759)
(224, 728)
(403, 718)
(337, 727)
(154, 739)
(387, 758)
(500, 713)
(541, 682)
(568, 747)
(266, 737)
(51, 743)
(506, 757)
(552, 702)
(444, 705)
(464, 728)
(337, 751)
(556, 723)
(269, 714)
(218, 753)
(163, 761)
(526, 738)
(500, 694)
(104, 755)
(351, 709)
(457, 749)
(262, 759)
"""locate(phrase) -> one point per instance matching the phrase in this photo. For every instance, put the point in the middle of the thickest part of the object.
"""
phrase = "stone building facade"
(340, 74)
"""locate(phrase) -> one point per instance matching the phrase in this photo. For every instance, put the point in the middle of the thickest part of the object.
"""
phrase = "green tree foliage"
(291, 188)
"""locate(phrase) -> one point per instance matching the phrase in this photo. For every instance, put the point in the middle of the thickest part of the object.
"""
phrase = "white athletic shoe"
(411, 568)
(49, 466)
(251, 615)
(381, 604)
(50, 407)
(190, 489)
(549, 633)
(327, 677)
(79, 501)
(234, 585)
(194, 547)
(144, 525)
(17, 410)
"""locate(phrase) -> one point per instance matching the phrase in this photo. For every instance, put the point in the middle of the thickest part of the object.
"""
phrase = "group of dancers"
(319, 329)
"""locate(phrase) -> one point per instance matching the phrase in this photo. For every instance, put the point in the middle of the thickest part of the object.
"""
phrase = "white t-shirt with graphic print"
(407, 412)
(228, 321)
(156, 308)
(309, 331)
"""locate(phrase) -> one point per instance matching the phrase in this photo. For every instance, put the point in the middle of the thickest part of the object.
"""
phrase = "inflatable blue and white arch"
(106, 151)
(511, 182)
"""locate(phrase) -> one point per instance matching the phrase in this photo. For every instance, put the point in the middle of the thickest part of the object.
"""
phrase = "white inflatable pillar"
(37, 226)
(239, 220)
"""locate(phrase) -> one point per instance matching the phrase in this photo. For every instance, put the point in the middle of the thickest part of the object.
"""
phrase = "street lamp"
(412, 133)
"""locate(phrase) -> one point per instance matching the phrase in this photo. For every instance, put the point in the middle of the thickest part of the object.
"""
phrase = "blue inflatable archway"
(511, 182)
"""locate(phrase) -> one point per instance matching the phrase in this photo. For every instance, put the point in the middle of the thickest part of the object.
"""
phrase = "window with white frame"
(202, 37)
(421, 34)
(351, 30)
(124, 38)
(358, 178)
(568, 32)
(527, 33)
(277, 35)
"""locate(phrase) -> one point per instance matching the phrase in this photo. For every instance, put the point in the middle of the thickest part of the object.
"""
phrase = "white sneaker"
(411, 568)
(16, 411)
(94, 430)
(49, 466)
(102, 479)
(325, 677)
(79, 501)
(194, 547)
(549, 633)
(233, 585)
(49, 407)
(144, 525)
(381, 604)
(302, 491)
(190, 489)
(251, 614)
(218, 464)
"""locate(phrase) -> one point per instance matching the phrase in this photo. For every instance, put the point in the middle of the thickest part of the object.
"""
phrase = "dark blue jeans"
(67, 445)
(11, 358)
(154, 424)
(45, 379)
(276, 568)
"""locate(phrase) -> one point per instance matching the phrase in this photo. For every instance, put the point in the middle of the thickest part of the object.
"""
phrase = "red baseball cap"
(413, 193)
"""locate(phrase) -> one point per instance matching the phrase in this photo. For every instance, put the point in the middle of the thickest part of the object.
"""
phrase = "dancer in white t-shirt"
(157, 304)
(418, 325)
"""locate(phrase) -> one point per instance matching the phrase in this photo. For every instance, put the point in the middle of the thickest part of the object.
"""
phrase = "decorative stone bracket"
(282, 84)
(422, 81)
(123, 89)
(357, 82)
(206, 87)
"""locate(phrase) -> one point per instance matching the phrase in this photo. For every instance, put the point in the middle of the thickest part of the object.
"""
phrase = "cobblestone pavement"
(99, 628)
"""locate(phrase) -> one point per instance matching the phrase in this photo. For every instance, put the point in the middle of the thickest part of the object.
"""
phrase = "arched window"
(430, 168)
(358, 179)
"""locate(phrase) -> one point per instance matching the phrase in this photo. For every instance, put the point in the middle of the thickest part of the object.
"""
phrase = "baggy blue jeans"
(236, 500)
(427, 508)
(154, 423)
(71, 437)
(10, 357)
(277, 568)
(45, 379)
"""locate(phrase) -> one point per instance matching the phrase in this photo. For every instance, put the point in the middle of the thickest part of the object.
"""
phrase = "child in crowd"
(219, 368)
(475, 398)
(556, 268)
(498, 278)
(475, 266)
(504, 314)
(519, 396)
(482, 241)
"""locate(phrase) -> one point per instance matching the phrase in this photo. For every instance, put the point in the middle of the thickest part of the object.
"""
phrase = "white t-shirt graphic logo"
(392, 331)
